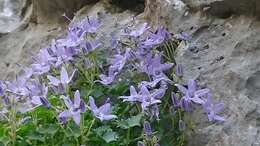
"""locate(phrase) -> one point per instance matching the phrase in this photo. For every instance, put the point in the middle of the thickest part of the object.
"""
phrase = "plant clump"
(72, 95)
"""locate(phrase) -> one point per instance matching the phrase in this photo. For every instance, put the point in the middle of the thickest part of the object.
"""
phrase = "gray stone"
(227, 61)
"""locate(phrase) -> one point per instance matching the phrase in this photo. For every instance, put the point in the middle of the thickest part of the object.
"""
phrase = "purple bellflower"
(107, 79)
(119, 60)
(152, 65)
(42, 62)
(117, 65)
(157, 67)
(75, 108)
(38, 94)
(156, 38)
(138, 32)
(133, 97)
(27, 72)
(147, 130)
(89, 46)
(144, 96)
(175, 101)
(89, 25)
(192, 93)
(18, 87)
(103, 112)
(114, 42)
(61, 53)
(156, 80)
(148, 99)
(179, 70)
(1, 88)
(151, 41)
(183, 36)
(213, 109)
(163, 32)
(72, 39)
(64, 78)
(155, 112)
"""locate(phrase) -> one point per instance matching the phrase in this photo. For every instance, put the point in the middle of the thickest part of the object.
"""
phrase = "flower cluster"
(54, 72)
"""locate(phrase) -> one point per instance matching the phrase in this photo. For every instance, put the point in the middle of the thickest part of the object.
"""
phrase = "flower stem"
(82, 130)
(90, 126)
(128, 136)
(12, 120)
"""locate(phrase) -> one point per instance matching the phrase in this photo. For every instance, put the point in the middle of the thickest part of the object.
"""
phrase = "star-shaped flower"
(64, 78)
(103, 112)
(213, 109)
(191, 94)
(74, 108)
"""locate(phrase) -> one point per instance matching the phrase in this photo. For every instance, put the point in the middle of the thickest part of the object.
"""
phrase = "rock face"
(223, 54)
(10, 11)
(29, 25)
(224, 8)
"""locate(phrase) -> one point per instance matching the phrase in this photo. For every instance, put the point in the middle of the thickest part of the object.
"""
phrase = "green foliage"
(43, 128)
(131, 122)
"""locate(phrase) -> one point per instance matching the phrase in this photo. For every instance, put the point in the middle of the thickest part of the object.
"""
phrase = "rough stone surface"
(226, 59)
(10, 12)
(38, 22)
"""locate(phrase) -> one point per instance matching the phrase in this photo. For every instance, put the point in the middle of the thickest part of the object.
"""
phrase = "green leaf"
(36, 136)
(97, 93)
(72, 130)
(106, 133)
(5, 140)
(110, 136)
(131, 122)
(101, 130)
(49, 129)
(118, 89)
(135, 120)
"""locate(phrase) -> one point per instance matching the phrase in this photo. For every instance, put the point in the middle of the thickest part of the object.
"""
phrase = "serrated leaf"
(110, 136)
(131, 122)
(134, 120)
(101, 130)
(123, 124)
(106, 133)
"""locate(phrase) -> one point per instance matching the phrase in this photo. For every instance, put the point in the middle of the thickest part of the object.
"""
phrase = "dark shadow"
(132, 5)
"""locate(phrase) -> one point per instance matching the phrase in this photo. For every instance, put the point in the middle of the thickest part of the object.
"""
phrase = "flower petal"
(53, 81)
(105, 108)
(65, 114)
(182, 89)
(67, 102)
(218, 107)
(219, 118)
(76, 118)
(64, 76)
(76, 99)
(197, 100)
(92, 104)
(109, 117)
(132, 90)
(192, 86)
